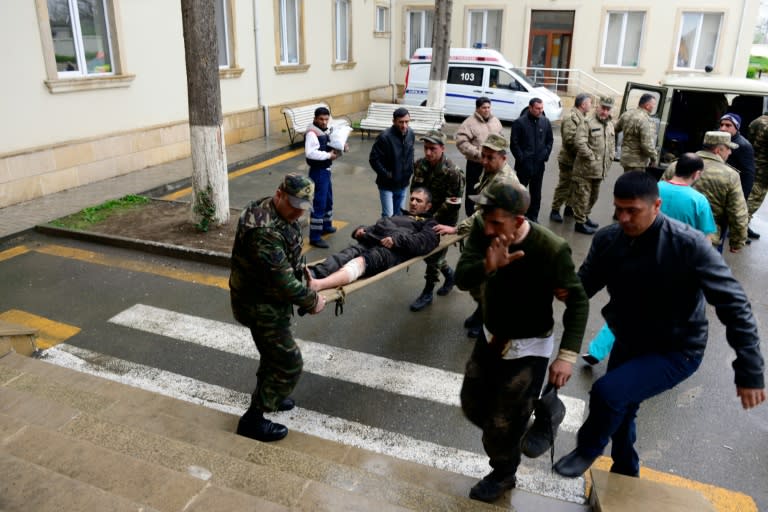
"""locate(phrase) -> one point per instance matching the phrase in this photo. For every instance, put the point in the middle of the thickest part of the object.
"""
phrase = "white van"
(473, 73)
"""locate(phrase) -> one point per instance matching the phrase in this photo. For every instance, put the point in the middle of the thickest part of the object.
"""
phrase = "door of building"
(549, 48)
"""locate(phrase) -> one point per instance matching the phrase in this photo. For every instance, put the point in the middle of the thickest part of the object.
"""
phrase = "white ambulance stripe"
(400, 377)
(309, 422)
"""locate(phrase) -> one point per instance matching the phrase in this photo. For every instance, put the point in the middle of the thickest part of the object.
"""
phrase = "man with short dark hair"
(581, 107)
(391, 158)
(638, 147)
(531, 143)
(658, 272)
(319, 158)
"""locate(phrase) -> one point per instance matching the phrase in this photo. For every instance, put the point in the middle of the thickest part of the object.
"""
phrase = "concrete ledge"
(619, 493)
(17, 338)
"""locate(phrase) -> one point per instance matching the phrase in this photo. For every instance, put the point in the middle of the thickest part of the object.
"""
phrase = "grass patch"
(95, 214)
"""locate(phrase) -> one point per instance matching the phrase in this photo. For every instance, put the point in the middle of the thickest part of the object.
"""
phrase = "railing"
(568, 81)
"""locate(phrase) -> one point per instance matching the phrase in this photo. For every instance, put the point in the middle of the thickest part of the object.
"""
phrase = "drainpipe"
(259, 88)
(392, 86)
(738, 39)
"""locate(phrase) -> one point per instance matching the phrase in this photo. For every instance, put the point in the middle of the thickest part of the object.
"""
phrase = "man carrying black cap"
(520, 266)
(265, 284)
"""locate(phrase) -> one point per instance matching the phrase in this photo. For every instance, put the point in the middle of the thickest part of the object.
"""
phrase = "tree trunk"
(441, 52)
(210, 188)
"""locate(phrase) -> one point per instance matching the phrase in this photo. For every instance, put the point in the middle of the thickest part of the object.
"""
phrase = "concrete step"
(17, 338)
(114, 416)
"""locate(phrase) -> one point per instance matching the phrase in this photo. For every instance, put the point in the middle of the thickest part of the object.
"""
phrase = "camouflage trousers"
(279, 367)
(434, 264)
(497, 395)
(562, 194)
(584, 194)
(759, 190)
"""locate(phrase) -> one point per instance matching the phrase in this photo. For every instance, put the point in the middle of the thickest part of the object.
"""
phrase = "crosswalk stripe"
(400, 377)
(309, 422)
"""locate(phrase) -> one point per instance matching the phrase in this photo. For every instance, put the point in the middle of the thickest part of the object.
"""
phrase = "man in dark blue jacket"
(659, 272)
(392, 159)
(531, 144)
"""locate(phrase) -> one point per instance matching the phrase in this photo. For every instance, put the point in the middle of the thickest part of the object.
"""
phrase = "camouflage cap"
(716, 138)
(606, 101)
(435, 137)
(496, 142)
(505, 193)
(300, 190)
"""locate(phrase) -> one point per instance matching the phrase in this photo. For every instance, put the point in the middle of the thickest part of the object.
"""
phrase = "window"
(465, 76)
(222, 31)
(81, 38)
(382, 18)
(418, 30)
(622, 38)
(698, 40)
(289, 32)
(484, 29)
(342, 42)
(499, 79)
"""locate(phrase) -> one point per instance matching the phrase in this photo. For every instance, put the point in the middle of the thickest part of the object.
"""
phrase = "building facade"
(97, 88)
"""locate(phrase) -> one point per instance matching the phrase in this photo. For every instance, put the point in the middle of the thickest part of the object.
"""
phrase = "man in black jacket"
(391, 158)
(531, 144)
(658, 273)
(390, 241)
(742, 158)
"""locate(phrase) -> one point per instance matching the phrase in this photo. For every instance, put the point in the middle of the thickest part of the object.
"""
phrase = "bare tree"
(441, 51)
(210, 189)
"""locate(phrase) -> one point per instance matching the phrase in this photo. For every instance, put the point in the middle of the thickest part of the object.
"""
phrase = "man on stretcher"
(383, 245)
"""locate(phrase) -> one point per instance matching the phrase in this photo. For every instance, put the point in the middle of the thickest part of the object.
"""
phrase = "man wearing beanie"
(743, 157)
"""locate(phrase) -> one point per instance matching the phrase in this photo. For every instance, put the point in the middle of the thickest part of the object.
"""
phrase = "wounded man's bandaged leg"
(355, 269)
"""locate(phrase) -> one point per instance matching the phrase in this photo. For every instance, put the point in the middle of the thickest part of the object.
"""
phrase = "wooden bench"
(298, 118)
(423, 119)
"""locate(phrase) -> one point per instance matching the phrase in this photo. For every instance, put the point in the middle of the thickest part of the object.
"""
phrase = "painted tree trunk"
(210, 188)
(441, 51)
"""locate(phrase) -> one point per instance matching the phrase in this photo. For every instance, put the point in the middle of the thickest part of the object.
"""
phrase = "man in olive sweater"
(522, 266)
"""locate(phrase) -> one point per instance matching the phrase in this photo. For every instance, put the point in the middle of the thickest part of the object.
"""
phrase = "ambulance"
(476, 72)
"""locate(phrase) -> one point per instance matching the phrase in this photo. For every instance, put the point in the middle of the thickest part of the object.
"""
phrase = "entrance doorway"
(549, 47)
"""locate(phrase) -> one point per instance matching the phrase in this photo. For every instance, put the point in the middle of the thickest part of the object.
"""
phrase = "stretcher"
(339, 295)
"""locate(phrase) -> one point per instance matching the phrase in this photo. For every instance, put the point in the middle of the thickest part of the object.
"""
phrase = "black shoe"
(589, 222)
(422, 301)
(492, 486)
(448, 283)
(590, 359)
(583, 228)
(319, 243)
(568, 211)
(550, 413)
(572, 465)
(555, 216)
(474, 331)
(261, 429)
(329, 230)
(473, 319)
(286, 404)
(751, 234)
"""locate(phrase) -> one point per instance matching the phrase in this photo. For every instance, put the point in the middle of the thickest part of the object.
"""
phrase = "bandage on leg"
(354, 269)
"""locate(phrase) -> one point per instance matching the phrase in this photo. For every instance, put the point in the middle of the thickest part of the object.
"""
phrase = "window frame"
(485, 13)
(622, 38)
(423, 10)
(231, 69)
(678, 42)
(289, 67)
(337, 43)
(381, 31)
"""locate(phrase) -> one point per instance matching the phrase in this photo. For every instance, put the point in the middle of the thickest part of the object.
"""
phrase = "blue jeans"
(392, 201)
(616, 396)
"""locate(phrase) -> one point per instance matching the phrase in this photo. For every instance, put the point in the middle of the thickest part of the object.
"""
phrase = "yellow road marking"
(13, 252)
(136, 266)
(246, 170)
(49, 332)
(724, 500)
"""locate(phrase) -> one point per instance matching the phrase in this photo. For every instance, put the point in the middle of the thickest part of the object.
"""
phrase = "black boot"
(423, 300)
(254, 425)
(555, 216)
(474, 323)
(568, 211)
(448, 283)
(492, 486)
(583, 228)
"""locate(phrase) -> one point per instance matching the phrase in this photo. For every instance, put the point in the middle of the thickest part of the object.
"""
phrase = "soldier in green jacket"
(595, 148)
(581, 106)
(721, 185)
(638, 147)
(265, 284)
(758, 136)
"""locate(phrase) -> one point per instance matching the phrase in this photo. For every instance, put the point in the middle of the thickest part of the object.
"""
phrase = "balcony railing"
(568, 81)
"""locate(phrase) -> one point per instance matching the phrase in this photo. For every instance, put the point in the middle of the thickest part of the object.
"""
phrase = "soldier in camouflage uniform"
(758, 135)
(582, 105)
(265, 283)
(720, 184)
(445, 181)
(638, 148)
(595, 148)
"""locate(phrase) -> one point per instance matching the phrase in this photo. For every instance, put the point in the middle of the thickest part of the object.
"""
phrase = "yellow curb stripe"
(13, 252)
(241, 172)
(49, 332)
(724, 500)
(135, 266)
(338, 224)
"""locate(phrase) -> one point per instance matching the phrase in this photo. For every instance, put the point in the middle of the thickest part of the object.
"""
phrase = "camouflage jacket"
(758, 136)
(267, 267)
(473, 132)
(446, 184)
(721, 185)
(568, 133)
(638, 147)
(485, 179)
(595, 148)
